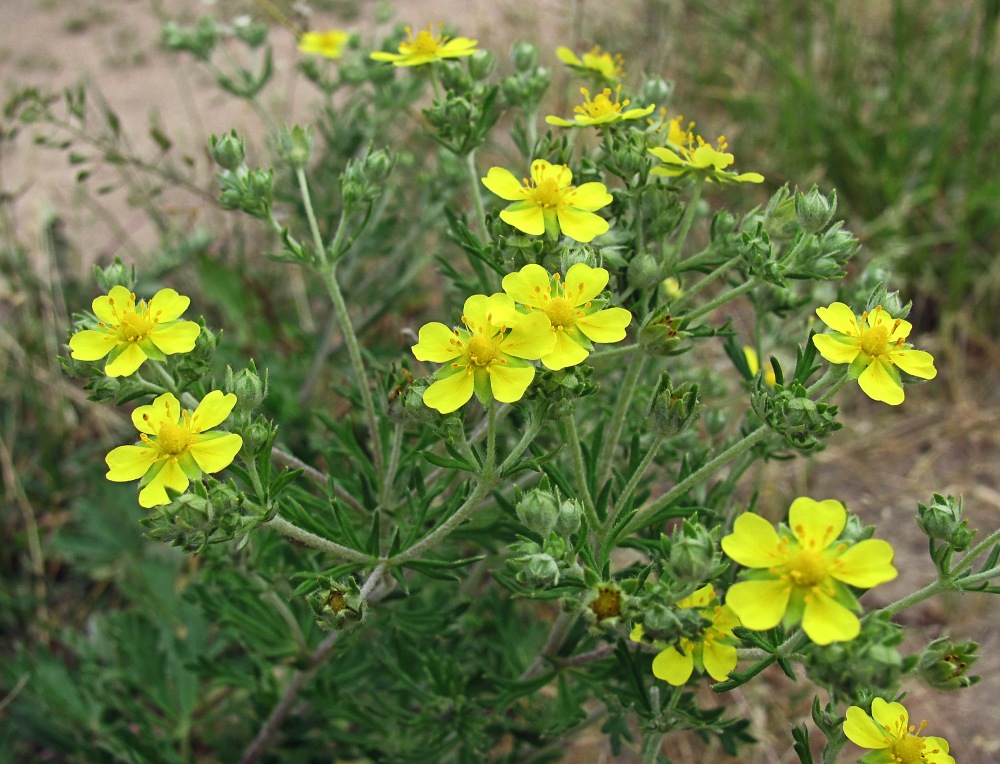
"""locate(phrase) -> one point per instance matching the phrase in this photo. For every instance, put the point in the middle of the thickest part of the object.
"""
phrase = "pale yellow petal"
(816, 523)
(531, 338)
(213, 410)
(836, 350)
(528, 286)
(437, 343)
(176, 338)
(213, 454)
(878, 384)
(866, 564)
(528, 218)
(583, 283)
(590, 197)
(130, 359)
(567, 56)
(91, 345)
(893, 716)
(503, 183)
(605, 325)
(127, 463)
(580, 225)
(719, 659)
(916, 362)
(840, 318)
(164, 408)
(171, 476)
(566, 352)
(167, 305)
(754, 542)
(451, 393)
(109, 308)
(759, 604)
(825, 620)
(673, 667)
(861, 730)
(509, 382)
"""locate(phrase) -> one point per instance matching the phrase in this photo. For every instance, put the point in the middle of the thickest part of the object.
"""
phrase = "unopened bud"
(643, 271)
(944, 664)
(525, 56)
(248, 387)
(228, 150)
(814, 211)
(539, 511)
(116, 274)
(295, 145)
(942, 520)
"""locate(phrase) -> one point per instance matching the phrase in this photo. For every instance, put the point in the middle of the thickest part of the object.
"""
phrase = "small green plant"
(474, 480)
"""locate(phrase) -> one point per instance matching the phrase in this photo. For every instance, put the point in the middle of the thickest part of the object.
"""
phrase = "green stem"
(688, 219)
(581, 471)
(444, 529)
(832, 390)
(477, 195)
(395, 448)
(531, 430)
(697, 477)
(909, 600)
(286, 528)
(489, 471)
(632, 484)
(718, 273)
(618, 417)
(722, 299)
(614, 352)
(977, 550)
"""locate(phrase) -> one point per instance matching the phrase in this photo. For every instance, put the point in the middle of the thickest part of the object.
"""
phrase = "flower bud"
(295, 145)
(248, 387)
(580, 253)
(890, 302)
(228, 150)
(337, 607)
(116, 274)
(661, 333)
(249, 31)
(942, 520)
(655, 90)
(481, 64)
(693, 553)
(643, 271)
(538, 510)
(525, 56)
(569, 517)
(537, 570)
(813, 211)
(673, 411)
(943, 664)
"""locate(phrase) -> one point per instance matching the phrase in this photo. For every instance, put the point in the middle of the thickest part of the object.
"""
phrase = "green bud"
(662, 333)
(537, 570)
(248, 387)
(295, 145)
(942, 520)
(943, 664)
(644, 271)
(855, 531)
(724, 226)
(848, 669)
(655, 90)
(199, 41)
(890, 302)
(790, 412)
(569, 517)
(337, 606)
(415, 408)
(208, 514)
(758, 256)
(524, 90)
(115, 274)
(779, 214)
(673, 411)
(363, 180)
(228, 151)
(538, 510)
(250, 32)
(249, 190)
(692, 553)
(813, 210)
(481, 64)
(258, 434)
(823, 256)
(525, 56)
(102, 387)
(579, 253)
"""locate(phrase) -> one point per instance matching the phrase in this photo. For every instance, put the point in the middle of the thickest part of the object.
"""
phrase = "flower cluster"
(892, 738)
(489, 354)
(594, 63)
(689, 154)
(802, 573)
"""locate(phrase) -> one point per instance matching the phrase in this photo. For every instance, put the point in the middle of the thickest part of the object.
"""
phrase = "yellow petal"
(529, 285)
(749, 177)
(816, 523)
(559, 121)
(862, 731)
(916, 362)
(673, 667)
(381, 55)
(719, 659)
(866, 564)
(605, 325)
(130, 359)
(706, 156)
(878, 384)
(436, 343)
(457, 46)
(451, 393)
(167, 305)
(176, 338)
(759, 604)
(826, 620)
(583, 283)
(503, 183)
(590, 197)
(127, 463)
(509, 382)
(893, 716)
(699, 598)
(91, 345)
(541, 169)
(525, 216)
(487, 314)
(164, 408)
(171, 476)
(565, 352)
(836, 350)
(108, 308)
(580, 225)
(840, 318)
(567, 56)
(213, 454)
(754, 542)
(212, 411)
(666, 155)
(936, 751)
(532, 337)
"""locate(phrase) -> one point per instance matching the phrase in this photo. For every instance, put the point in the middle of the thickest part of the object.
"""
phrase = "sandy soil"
(946, 440)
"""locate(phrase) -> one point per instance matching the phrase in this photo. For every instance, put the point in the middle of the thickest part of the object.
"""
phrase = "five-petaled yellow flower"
(547, 203)
(175, 446)
(571, 305)
(714, 652)
(691, 155)
(489, 356)
(132, 332)
(895, 741)
(874, 344)
(604, 65)
(803, 572)
(601, 110)
(426, 48)
(328, 43)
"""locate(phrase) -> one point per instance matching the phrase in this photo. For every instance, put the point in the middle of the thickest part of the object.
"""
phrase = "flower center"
(547, 193)
(875, 340)
(908, 750)
(425, 43)
(133, 327)
(806, 569)
(172, 438)
(608, 65)
(600, 105)
(482, 350)
(561, 313)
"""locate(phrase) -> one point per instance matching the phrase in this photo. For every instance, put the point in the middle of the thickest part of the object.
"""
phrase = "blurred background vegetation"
(893, 103)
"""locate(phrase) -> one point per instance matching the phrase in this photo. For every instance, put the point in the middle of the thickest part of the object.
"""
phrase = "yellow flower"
(713, 652)
(175, 446)
(132, 332)
(426, 48)
(329, 43)
(604, 65)
(801, 573)
(489, 356)
(576, 316)
(894, 740)
(548, 203)
(874, 344)
(691, 155)
(600, 110)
